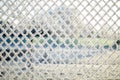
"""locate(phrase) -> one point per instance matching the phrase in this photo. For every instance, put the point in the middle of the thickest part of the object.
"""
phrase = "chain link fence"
(59, 40)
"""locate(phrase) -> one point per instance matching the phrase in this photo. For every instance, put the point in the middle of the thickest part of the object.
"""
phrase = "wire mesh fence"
(59, 39)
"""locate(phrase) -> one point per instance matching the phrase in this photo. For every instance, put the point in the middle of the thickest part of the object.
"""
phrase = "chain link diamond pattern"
(59, 39)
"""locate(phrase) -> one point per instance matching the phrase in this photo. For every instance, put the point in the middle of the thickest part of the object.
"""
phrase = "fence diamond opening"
(59, 39)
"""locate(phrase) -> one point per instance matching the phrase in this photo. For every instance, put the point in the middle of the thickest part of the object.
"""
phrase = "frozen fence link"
(59, 39)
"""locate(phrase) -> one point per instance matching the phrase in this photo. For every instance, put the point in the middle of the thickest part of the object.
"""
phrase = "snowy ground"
(99, 67)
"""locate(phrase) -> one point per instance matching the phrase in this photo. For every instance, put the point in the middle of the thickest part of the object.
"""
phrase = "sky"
(97, 13)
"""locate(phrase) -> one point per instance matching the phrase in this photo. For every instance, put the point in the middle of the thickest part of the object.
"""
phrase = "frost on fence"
(59, 39)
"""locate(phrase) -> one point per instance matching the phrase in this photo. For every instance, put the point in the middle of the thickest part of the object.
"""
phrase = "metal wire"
(59, 39)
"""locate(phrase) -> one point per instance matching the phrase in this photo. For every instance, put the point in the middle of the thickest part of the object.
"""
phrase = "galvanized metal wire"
(59, 39)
